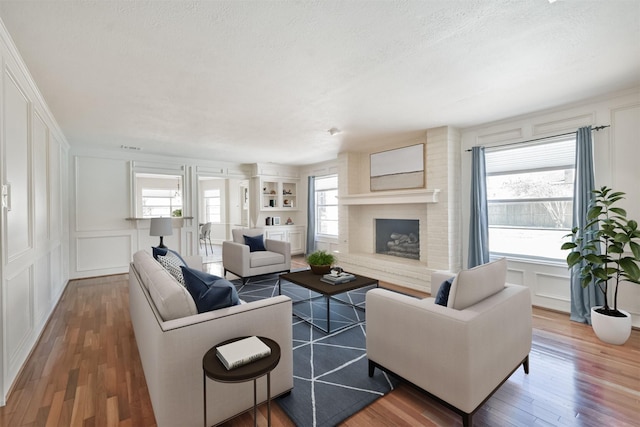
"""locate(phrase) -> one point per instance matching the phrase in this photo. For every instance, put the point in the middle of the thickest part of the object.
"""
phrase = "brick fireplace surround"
(436, 207)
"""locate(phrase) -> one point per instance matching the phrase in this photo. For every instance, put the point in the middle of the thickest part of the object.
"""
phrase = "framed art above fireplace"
(397, 169)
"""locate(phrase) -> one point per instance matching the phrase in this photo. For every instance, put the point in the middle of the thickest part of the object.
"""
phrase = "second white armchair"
(250, 254)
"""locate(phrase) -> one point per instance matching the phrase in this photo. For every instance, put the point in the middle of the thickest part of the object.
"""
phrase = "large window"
(327, 205)
(530, 198)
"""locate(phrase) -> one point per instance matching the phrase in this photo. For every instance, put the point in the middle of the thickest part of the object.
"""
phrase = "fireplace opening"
(398, 237)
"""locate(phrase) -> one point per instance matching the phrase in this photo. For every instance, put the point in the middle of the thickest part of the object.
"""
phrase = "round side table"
(213, 368)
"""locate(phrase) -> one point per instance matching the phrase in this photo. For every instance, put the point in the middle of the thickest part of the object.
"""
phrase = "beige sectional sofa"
(459, 353)
(172, 338)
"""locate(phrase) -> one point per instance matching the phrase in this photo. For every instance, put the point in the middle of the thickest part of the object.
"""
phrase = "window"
(327, 205)
(158, 202)
(530, 198)
(212, 206)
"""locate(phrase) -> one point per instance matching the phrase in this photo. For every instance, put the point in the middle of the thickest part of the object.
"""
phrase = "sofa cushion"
(172, 264)
(474, 285)
(171, 299)
(262, 258)
(255, 243)
(209, 292)
(442, 297)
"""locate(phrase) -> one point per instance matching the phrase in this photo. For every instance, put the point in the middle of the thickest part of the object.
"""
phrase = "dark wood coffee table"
(308, 280)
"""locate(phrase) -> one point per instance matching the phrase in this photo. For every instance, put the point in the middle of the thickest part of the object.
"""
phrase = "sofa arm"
(281, 247)
(460, 356)
(235, 257)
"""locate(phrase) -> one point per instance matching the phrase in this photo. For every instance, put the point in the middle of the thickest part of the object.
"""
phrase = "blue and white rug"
(330, 371)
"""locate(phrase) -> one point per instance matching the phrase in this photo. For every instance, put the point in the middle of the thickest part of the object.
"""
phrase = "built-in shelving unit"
(278, 195)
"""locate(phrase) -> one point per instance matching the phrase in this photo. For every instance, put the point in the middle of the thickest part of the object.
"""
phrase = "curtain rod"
(597, 128)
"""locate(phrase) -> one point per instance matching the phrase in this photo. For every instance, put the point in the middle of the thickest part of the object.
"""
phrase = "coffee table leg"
(204, 387)
(328, 318)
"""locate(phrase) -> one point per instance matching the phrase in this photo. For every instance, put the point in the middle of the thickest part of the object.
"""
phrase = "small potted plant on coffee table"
(320, 262)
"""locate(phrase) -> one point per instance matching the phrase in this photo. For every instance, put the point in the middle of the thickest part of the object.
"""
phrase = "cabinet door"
(276, 234)
(297, 240)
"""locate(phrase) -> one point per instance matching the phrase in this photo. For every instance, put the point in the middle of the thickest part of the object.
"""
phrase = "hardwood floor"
(86, 371)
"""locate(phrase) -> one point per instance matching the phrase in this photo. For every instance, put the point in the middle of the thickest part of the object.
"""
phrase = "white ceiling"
(263, 81)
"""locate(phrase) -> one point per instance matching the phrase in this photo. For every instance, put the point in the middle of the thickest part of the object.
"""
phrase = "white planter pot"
(610, 329)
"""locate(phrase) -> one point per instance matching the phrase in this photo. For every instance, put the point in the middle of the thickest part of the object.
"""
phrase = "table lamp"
(161, 227)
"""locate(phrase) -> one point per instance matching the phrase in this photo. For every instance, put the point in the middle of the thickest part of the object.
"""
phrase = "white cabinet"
(293, 234)
(278, 194)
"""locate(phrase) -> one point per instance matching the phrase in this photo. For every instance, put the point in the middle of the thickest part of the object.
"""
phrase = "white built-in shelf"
(395, 197)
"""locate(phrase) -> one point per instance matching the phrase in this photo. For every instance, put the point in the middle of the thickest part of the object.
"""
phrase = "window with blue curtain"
(530, 198)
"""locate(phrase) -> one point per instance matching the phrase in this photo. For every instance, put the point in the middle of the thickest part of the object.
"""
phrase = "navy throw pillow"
(442, 298)
(209, 292)
(163, 252)
(255, 243)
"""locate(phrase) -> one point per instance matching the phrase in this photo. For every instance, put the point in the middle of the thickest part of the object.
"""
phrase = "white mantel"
(392, 197)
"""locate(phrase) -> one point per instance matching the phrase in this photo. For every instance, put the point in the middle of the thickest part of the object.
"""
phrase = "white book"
(241, 352)
(340, 278)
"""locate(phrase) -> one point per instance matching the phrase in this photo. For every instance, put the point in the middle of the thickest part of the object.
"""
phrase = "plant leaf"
(594, 212)
(568, 245)
(635, 248)
(630, 268)
(573, 258)
(619, 211)
(621, 238)
(594, 259)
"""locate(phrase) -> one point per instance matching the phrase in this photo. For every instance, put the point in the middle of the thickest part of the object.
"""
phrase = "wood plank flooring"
(86, 371)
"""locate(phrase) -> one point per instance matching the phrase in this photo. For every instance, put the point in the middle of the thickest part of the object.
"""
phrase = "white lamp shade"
(160, 227)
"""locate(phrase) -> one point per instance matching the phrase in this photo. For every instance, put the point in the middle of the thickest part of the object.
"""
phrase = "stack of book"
(241, 352)
(338, 278)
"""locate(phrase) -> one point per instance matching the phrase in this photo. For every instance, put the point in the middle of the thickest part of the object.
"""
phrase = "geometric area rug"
(330, 371)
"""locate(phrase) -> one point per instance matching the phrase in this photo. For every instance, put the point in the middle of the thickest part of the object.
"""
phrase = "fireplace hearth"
(398, 237)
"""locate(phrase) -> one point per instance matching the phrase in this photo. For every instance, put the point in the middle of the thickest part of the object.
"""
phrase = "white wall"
(34, 246)
(616, 152)
(103, 235)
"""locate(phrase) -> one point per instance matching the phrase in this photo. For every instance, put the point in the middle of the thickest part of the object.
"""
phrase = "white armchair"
(461, 353)
(239, 260)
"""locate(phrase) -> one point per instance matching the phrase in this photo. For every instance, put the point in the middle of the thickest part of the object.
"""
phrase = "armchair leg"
(525, 364)
(372, 367)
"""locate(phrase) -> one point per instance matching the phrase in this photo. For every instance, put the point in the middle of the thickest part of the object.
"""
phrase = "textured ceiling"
(263, 81)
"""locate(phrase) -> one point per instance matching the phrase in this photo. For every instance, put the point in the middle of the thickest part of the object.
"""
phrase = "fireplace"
(398, 237)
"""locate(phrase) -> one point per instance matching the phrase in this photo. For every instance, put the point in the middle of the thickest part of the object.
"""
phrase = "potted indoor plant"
(618, 259)
(320, 262)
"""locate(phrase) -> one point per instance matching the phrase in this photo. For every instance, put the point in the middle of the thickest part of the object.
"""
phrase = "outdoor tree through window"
(530, 198)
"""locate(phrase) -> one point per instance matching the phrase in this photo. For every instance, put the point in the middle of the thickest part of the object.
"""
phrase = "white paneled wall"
(34, 248)
(616, 154)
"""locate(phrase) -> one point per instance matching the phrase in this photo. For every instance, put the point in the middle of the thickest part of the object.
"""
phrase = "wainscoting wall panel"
(17, 167)
(19, 306)
(550, 290)
(101, 190)
(103, 253)
(42, 288)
